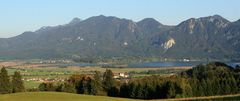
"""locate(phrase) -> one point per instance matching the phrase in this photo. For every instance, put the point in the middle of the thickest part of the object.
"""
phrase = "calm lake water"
(172, 64)
(152, 64)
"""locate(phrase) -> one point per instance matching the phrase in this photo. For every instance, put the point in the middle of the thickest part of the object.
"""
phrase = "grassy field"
(53, 96)
(234, 97)
(56, 96)
(31, 84)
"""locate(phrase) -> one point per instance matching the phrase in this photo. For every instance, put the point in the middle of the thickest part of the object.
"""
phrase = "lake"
(172, 64)
(151, 64)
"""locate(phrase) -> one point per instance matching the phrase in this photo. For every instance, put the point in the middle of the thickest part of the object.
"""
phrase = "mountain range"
(212, 37)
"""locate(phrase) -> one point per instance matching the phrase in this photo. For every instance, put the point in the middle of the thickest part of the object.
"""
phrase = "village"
(116, 75)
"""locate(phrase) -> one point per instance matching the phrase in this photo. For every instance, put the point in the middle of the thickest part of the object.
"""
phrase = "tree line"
(96, 84)
(203, 80)
(10, 84)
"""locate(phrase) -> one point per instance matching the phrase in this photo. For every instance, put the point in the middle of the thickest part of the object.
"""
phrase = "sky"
(18, 16)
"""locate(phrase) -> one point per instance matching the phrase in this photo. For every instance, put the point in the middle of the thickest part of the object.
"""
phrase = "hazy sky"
(18, 16)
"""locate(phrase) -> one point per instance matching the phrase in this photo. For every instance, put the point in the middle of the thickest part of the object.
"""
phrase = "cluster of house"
(121, 75)
(44, 79)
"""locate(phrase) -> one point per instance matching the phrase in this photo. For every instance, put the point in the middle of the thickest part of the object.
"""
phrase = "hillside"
(211, 37)
(54, 96)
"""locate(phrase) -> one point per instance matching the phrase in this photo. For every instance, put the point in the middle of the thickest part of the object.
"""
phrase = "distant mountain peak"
(75, 21)
(150, 21)
(209, 18)
(99, 16)
(102, 17)
(217, 20)
(217, 16)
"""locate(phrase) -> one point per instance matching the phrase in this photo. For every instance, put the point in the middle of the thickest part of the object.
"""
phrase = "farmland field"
(34, 72)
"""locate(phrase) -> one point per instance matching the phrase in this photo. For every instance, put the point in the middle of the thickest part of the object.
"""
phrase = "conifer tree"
(108, 80)
(91, 87)
(68, 87)
(17, 83)
(97, 82)
(5, 85)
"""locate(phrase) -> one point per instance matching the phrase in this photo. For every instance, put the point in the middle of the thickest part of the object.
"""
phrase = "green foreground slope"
(55, 96)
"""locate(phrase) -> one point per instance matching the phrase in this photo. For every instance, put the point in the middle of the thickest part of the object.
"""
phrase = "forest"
(210, 79)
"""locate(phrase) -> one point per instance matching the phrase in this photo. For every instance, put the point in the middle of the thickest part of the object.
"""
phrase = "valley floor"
(36, 73)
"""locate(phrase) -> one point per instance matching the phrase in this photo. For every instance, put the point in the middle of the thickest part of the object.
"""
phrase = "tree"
(233, 84)
(91, 87)
(17, 83)
(159, 91)
(82, 86)
(69, 88)
(209, 89)
(47, 86)
(113, 91)
(108, 80)
(97, 84)
(5, 85)
(124, 90)
(132, 89)
(171, 91)
(145, 92)
(42, 87)
(186, 88)
(51, 86)
(139, 92)
(59, 87)
(204, 86)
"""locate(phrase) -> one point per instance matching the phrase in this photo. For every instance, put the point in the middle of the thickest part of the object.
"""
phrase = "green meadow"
(55, 96)
(58, 96)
